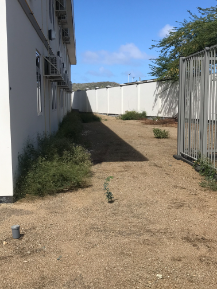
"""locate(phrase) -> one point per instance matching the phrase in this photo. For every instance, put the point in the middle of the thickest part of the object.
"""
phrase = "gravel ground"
(160, 232)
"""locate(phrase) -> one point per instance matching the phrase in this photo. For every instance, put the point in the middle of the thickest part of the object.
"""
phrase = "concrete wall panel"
(115, 100)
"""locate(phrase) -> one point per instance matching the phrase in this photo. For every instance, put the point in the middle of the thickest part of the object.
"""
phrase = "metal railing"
(198, 105)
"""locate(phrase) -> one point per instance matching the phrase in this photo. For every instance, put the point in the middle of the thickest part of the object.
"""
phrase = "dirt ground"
(160, 232)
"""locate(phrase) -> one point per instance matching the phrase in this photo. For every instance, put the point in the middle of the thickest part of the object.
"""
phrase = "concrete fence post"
(96, 109)
(138, 96)
(107, 87)
(87, 107)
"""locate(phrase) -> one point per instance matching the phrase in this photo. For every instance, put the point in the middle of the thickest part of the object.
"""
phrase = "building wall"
(23, 118)
(6, 180)
(156, 98)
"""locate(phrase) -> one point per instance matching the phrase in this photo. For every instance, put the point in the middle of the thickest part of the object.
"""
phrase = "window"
(53, 95)
(38, 81)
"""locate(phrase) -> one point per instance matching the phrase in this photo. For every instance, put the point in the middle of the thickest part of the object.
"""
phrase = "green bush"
(133, 115)
(159, 133)
(89, 117)
(55, 164)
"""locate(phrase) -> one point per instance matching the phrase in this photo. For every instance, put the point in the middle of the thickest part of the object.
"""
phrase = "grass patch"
(58, 162)
(133, 115)
(89, 117)
(159, 133)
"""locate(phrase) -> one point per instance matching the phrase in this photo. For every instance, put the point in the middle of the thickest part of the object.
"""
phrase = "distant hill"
(92, 85)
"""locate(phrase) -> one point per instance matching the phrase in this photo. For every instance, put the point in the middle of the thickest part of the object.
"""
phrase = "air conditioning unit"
(62, 84)
(62, 20)
(66, 35)
(51, 34)
(60, 7)
(52, 68)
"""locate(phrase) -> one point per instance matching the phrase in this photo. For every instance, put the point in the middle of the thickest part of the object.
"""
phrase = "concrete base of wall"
(6, 200)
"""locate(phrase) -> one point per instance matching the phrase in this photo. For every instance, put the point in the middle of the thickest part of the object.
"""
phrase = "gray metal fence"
(198, 105)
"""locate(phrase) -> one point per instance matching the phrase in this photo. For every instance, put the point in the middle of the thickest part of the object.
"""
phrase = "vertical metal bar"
(196, 106)
(190, 106)
(185, 99)
(205, 96)
(215, 92)
(184, 103)
(202, 67)
(193, 109)
(212, 98)
(209, 107)
(179, 107)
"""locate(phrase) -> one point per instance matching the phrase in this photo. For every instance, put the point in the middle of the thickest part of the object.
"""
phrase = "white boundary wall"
(156, 98)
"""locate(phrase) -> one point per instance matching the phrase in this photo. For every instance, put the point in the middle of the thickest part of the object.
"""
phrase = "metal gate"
(198, 105)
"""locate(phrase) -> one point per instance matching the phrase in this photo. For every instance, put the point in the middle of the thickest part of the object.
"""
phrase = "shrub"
(207, 170)
(159, 133)
(133, 115)
(89, 117)
(55, 164)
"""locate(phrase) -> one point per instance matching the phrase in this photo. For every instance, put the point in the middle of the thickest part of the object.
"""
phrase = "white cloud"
(102, 72)
(165, 30)
(126, 54)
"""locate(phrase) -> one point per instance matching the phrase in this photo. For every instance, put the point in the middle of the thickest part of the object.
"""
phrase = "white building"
(37, 48)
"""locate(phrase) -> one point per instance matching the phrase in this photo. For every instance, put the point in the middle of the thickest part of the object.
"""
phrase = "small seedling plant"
(108, 194)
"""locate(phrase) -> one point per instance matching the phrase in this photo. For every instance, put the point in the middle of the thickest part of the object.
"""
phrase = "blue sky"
(113, 37)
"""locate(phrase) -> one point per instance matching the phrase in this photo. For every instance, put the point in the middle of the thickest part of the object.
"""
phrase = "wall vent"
(59, 53)
(51, 34)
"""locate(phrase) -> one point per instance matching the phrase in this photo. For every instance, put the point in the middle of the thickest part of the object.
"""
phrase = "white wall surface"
(115, 100)
(156, 98)
(6, 179)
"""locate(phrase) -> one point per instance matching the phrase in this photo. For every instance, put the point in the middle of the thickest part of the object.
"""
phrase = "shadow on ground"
(106, 146)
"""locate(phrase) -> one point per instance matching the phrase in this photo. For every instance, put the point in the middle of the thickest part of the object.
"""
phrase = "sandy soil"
(161, 231)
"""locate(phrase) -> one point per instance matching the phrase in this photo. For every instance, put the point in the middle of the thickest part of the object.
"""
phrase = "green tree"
(190, 36)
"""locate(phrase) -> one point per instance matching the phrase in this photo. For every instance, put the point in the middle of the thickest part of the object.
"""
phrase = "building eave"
(70, 19)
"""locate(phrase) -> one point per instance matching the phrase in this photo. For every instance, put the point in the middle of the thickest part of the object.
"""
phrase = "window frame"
(38, 83)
